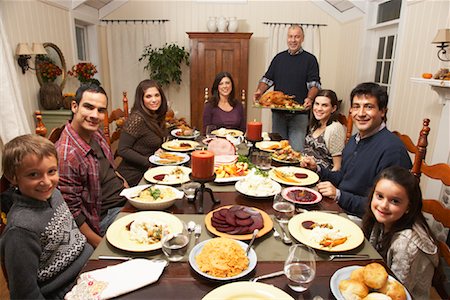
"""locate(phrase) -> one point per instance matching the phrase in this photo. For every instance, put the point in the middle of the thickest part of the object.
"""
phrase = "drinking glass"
(189, 189)
(265, 160)
(300, 267)
(175, 245)
(209, 130)
(284, 210)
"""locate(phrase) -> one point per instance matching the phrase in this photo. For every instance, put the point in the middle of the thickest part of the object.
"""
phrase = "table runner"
(267, 247)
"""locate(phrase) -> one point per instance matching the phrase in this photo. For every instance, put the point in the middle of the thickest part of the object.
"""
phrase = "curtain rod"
(301, 24)
(134, 21)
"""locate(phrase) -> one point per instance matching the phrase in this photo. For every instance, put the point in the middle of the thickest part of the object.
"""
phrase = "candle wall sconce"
(23, 53)
(442, 39)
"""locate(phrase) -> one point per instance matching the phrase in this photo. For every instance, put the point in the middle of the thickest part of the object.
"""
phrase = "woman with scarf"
(143, 132)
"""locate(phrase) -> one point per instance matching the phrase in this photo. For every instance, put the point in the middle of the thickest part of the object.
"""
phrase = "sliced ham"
(221, 147)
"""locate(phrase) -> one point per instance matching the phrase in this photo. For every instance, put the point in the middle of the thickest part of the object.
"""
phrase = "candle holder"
(252, 147)
(199, 192)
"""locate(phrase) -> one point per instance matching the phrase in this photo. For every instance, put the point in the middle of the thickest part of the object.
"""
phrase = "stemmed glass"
(284, 210)
(209, 130)
(300, 267)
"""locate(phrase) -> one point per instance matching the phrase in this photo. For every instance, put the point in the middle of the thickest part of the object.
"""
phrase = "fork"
(344, 256)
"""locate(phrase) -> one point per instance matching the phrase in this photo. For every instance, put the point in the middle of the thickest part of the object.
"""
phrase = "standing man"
(367, 153)
(88, 180)
(293, 72)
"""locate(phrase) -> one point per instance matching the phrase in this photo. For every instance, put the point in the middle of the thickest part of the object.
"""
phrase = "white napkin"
(116, 280)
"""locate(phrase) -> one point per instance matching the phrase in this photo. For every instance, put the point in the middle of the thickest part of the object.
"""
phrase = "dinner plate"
(151, 175)
(354, 234)
(268, 225)
(241, 187)
(193, 136)
(266, 145)
(296, 161)
(118, 235)
(344, 273)
(310, 179)
(179, 146)
(252, 259)
(286, 191)
(157, 160)
(223, 132)
(247, 290)
(228, 179)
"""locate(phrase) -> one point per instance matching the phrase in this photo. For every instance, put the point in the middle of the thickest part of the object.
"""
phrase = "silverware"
(286, 239)
(270, 275)
(276, 234)
(107, 257)
(255, 232)
(197, 232)
(344, 256)
(191, 228)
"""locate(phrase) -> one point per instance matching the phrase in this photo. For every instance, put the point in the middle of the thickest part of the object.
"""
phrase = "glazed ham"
(221, 147)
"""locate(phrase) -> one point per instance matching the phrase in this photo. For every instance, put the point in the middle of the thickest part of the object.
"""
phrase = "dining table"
(180, 281)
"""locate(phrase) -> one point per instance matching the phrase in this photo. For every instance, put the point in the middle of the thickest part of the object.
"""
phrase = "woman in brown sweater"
(143, 132)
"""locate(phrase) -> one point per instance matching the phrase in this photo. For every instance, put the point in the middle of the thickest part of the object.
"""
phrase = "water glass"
(175, 245)
(284, 210)
(265, 160)
(209, 130)
(189, 189)
(300, 267)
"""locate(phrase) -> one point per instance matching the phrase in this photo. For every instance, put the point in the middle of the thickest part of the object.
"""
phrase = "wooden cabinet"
(55, 118)
(212, 53)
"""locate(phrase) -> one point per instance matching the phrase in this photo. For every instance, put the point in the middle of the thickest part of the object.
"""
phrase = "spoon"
(255, 232)
(286, 238)
(191, 228)
(197, 232)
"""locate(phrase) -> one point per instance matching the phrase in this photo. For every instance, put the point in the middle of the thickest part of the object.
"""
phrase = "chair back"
(55, 134)
(348, 123)
(118, 116)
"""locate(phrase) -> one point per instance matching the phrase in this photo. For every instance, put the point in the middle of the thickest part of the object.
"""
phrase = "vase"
(233, 24)
(211, 24)
(222, 24)
(50, 96)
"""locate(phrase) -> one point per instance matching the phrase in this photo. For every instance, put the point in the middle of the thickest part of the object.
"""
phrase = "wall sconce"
(442, 38)
(24, 53)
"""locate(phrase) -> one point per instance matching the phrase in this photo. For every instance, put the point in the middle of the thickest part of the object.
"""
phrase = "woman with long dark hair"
(223, 109)
(143, 132)
(396, 227)
(326, 138)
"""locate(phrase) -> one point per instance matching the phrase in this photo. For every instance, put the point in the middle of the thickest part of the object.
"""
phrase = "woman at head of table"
(326, 137)
(223, 109)
(143, 132)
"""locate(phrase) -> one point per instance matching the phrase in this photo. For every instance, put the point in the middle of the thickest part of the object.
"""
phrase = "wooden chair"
(118, 116)
(348, 123)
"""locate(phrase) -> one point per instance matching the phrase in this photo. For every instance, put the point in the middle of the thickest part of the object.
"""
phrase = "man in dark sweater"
(368, 152)
(294, 72)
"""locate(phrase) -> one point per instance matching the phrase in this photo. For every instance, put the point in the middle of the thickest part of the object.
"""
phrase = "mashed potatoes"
(222, 257)
(258, 185)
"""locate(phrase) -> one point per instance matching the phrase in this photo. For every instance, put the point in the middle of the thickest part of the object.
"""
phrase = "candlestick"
(254, 131)
(202, 164)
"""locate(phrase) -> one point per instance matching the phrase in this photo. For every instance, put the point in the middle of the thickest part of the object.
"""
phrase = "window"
(81, 39)
(385, 60)
(388, 11)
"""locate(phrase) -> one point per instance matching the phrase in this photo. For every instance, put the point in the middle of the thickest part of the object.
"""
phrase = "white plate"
(118, 235)
(155, 159)
(265, 145)
(228, 179)
(198, 248)
(343, 274)
(354, 234)
(247, 290)
(309, 180)
(150, 174)
(241, 188)
(132, 193)
(287, 190)
(194, 136)
(176, 145)
(223, 132)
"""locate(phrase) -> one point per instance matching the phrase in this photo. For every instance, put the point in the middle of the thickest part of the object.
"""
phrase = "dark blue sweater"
(361, 163)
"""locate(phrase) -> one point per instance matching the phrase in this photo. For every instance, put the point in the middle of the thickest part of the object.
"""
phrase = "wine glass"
(284, 210)
(300, 267)
(209, 130)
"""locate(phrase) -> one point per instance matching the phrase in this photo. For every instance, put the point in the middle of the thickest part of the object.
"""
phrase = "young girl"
(396, 227)
(41, 247)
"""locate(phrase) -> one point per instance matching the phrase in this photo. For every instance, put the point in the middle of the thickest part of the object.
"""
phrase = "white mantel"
(441, 149)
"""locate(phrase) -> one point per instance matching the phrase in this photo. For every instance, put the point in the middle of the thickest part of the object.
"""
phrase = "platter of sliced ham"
(220, 146)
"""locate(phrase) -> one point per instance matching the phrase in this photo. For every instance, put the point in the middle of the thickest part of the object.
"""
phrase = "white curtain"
(126, 42)
(278, 42)
(13, 121)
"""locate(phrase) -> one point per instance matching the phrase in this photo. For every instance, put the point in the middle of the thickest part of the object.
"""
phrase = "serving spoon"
(255, 232)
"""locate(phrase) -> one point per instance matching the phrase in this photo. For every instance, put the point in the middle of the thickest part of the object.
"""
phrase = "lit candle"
(202, 164)
(254, 130)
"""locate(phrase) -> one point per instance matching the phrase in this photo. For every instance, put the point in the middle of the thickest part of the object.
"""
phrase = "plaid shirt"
(79, 180)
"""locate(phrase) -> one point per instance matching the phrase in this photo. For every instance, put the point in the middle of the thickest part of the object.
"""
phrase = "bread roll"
(394, 289)
(375, 276)
(358, 274)
(377, 296)
(353, 289)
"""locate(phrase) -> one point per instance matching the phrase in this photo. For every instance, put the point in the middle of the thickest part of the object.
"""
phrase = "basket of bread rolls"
(371, 282)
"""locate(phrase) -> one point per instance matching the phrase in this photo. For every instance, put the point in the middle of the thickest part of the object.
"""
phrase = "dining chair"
(118, 116)
(348, 123)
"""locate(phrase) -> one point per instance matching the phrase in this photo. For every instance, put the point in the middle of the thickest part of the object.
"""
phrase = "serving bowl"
(132, 193)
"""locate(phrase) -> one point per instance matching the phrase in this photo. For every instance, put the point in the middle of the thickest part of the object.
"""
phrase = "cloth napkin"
(116, 280)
